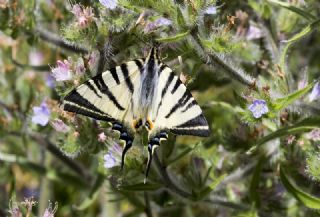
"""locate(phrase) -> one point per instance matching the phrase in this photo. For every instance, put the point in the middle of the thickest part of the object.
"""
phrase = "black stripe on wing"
(181, 102)
(197, 126)
(125, 73)
(74, 102)
(101, 85)
(114, 74)
(165, 89)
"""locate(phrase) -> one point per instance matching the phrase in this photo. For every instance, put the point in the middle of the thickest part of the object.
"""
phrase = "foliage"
(252, 66)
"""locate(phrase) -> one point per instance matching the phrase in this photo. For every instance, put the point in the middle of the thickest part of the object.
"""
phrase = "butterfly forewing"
(107, 95)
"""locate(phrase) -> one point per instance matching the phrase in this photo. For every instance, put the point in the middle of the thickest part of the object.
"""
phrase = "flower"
(49, 212)
(157, 23)
(49, 81)
(113, 156)
(314, 135)
(35, 58)
(102, 137)
(84, 16)
(211, 10)
(41, 114)
(110, 4)
(315, 94)
(258, 108)
(62, 71)
(60, 126)
(254, 33)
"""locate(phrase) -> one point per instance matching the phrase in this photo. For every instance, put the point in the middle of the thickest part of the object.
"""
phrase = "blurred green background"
(253, 67)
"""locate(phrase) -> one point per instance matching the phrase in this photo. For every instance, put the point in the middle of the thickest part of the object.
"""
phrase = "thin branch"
(228, 204)
(213, 59)
(147, 203)
(58, 41)
(36, 68)
(73, 165)
(77, 168)
(6, 107)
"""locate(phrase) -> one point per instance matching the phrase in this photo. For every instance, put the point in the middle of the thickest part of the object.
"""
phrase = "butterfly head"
(146, 123)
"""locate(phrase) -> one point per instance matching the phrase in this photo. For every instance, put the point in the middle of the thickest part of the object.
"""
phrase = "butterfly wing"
(107, 95)
(176, 109)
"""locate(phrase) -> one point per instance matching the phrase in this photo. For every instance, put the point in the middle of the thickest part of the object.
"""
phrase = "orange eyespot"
(149, 124)
(136, 123)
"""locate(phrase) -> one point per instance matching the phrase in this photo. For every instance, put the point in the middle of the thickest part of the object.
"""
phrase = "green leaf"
(208, 189)
(254, 194)
(294, 9)
(141, 187)
(305, 198)
(285, 101)
(93, 194)
(175, 38)
(180, 19)
(308, 29)
(181, 155)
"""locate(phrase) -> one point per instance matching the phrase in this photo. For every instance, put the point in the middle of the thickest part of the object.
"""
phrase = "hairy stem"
(58, 41)
(212, 59)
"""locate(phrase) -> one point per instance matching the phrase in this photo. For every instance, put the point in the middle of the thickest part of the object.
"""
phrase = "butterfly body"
(140, 93)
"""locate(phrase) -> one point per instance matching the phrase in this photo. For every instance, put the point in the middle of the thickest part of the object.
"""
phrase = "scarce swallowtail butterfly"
(140, 93)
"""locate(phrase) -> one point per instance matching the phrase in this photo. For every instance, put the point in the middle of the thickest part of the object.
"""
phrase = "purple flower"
(110, 4)
(84, 16)
(258, 108)
(163, 22)
(60, 126)
(62, 71)
(315, 94)
(157, 23)
(113, 156)
(41, 114)
(211, 10)
(49, 81)
(254, 33)
(314, 135)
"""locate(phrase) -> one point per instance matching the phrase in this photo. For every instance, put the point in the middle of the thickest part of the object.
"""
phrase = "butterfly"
(140, 93)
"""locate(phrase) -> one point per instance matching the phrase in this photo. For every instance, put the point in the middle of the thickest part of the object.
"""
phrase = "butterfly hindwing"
(176, 109)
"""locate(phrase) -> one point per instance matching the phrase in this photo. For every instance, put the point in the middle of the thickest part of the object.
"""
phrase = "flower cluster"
(62, 72)
(65, 69)
(84, 16)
